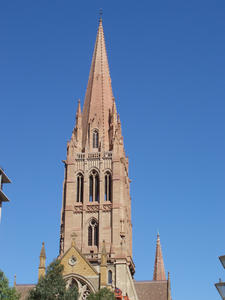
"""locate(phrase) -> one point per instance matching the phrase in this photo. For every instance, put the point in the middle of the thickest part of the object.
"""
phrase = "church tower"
(96, 230)
(96, 209)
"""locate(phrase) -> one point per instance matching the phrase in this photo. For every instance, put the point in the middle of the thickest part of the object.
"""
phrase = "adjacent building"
(3, 179)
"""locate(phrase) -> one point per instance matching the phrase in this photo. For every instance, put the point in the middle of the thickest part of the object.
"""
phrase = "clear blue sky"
(167, 62)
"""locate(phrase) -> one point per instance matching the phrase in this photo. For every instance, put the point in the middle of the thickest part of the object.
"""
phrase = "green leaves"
(6, 292)
(53, 286)
(71, 294)
(102, 294)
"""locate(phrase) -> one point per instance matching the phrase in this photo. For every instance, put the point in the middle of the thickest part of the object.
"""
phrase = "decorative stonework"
(92, 208)
(106, 207)
(82, 286)
(77, 209)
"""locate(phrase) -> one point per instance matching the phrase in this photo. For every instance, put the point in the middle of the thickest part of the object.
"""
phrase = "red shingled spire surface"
(99, 97)
(159, 270)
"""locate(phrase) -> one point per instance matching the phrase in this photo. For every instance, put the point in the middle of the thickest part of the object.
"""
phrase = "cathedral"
(96, 229)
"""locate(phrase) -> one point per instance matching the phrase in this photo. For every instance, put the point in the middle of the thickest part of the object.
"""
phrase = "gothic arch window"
(89, 235)
(83, 287)
(95, 138)
(80, 187)
(93, 233)
(108, 187)
(94, 187)
(109, 277)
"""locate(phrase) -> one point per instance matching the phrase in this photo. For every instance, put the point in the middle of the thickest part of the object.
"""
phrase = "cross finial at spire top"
(100, 14)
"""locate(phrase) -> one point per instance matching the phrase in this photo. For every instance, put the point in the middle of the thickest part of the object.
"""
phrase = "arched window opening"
(72, 283)
(91, 188)
(80, 187)
(95, 139)
(108, 187)
(94, 187)
(109, 277)
(96, 236)
(97, 188)
(93, 233)
(89, 235)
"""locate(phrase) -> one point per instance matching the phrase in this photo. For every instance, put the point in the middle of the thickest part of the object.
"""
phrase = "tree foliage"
(6, 292)
(53, 286)
(102, 294)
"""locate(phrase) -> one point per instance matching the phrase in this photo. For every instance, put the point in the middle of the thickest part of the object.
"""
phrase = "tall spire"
(159, 270)
(99, 97)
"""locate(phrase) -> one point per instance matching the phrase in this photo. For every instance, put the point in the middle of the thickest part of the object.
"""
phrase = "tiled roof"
(146, 290)
(23, 290)
(151, 290)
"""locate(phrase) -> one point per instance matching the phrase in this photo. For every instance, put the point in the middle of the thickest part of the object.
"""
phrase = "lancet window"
(80, 187)
(109, 277)
(95, 138)
(108, 187)
(94, 187)
(93, 233)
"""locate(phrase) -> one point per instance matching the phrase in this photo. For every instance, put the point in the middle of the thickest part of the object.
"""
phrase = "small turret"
(41, 269)
(77, 132)
(168, 288)
(79, 116)
(113, 124)
(159, 270)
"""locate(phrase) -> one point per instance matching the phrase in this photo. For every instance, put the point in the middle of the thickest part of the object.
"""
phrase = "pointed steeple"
(41, 269)
(78, 114)
(99, 97)
(42, 254)
(159, 270)
(78, 127)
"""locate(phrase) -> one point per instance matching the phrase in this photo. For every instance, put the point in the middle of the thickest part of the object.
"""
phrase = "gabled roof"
(81, 265)
(24, 289)
(151, 290)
